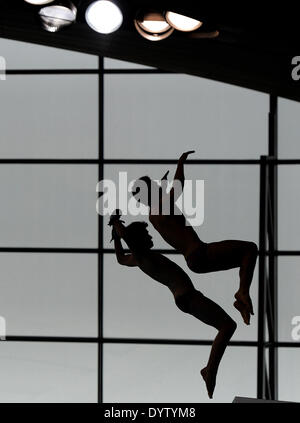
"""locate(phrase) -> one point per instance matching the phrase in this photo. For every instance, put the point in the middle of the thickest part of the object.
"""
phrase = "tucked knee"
(252, 248)
(229, 326)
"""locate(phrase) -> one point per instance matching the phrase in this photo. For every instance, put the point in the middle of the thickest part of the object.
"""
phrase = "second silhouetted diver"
(187, 298)
(201, 257)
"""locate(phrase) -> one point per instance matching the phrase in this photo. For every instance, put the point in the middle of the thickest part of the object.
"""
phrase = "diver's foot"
(244, 305)
(244, 313)
(209, 377)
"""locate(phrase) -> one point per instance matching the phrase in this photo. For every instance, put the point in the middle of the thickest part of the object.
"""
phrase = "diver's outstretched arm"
(165, 177)
(124, 259)
(179, 175)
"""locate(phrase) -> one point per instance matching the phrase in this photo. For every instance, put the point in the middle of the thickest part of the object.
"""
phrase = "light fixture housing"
(38, 2)
(58, 15)
(213, 33)
(152, 25)
(181, 22)
(104, 16)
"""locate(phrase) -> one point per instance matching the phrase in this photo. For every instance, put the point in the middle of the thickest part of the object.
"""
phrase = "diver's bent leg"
(201, 307)
(229, 254)
(226, 255)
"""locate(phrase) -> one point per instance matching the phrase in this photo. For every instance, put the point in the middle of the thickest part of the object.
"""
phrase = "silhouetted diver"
(201, 257)
(187, 298)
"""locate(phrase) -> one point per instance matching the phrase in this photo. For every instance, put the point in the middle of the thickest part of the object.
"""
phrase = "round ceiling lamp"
(38, 2)
(153, 26)
(61, 14)
(181, 22)
(104, 16)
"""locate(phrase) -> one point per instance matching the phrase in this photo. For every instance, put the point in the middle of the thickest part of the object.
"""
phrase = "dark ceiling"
(254, 48)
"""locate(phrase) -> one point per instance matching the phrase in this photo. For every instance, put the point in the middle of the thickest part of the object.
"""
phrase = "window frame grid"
(271, 254)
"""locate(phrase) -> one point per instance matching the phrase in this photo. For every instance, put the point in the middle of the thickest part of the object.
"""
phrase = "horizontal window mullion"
(148, 161)
(112, 251)
(139, 341)
(86, 71)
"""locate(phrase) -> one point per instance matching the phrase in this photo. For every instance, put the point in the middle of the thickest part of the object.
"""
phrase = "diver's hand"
(184, 156)
(165, 177)
(115, 216)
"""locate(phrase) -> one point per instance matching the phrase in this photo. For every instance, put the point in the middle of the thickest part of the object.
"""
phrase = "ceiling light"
(55, 17)
(104, 16)
(153, 26)
(181, 22)
(38, 2)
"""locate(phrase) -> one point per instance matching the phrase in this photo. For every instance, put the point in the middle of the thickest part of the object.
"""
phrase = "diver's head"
(138, 237)
(142, 188)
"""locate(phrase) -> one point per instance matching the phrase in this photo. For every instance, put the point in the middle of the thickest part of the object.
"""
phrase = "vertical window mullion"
(100, 233)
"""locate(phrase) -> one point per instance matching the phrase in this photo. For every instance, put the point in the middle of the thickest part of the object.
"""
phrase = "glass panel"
(231, 200)
(153, 373)
(120, 64)
(49, 294)
(288, 295)
(48, 206)
(289, 374)
(48, 372)
(288, 129)
(135, 306)
(21, 55)
(49, 116)
(160, 116)
(288, 208)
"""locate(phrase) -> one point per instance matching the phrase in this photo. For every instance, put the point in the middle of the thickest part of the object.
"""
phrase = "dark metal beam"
(100, 232)
(163, 341)
(86, 72)
(24, 161)
(140, 341)
(273, 245)
(240, 56)
(46, 250)
(261, 363)
(51, 161)
(116, 340)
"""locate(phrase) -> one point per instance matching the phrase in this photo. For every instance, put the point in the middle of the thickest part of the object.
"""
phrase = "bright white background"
(146, 116)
